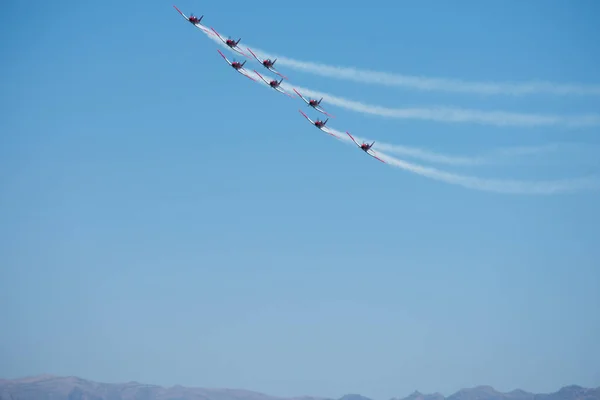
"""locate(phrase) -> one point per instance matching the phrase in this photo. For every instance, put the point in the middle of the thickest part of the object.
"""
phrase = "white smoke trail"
(498, 186)
(585, 153)
(492, 185)
(430, 156)
(426, 155)
(492, 157)
(424, 83)
(448, 114)
(440, 114)
(414, 151)
(489, 185)
(432, 84)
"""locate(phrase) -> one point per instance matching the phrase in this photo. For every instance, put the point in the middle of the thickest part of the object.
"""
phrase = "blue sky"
(165, 220)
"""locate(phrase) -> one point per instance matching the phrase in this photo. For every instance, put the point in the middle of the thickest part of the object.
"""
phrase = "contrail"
(424, 83)
(583, 153)
(441, 114)
(495, 156)
(426, 155)
(415, 152)
(489, 185)
(491, 158)
(434, 157)
(433, 84)
(449, 114)
(498, 186)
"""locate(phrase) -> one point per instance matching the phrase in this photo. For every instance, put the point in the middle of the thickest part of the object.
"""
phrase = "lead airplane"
(320, 124)
(194, 20)
(267, 63)
(314, 104)
(366, 148)
(274, 84)
(233, 45)
(239, 67)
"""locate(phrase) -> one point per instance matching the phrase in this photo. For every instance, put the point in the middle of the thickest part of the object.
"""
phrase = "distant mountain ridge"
(50, 387)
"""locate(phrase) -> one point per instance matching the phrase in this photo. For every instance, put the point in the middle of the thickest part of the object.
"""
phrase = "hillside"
(49, 387)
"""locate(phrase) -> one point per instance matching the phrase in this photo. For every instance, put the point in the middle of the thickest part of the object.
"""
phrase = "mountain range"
(50, 387)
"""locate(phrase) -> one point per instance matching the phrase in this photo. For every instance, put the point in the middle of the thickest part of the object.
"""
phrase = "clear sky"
(166, 220)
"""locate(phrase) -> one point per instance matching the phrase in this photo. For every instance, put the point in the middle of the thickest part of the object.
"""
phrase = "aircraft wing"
(280, 90)
(182, 14)
(355, 142)
(219, 36)
(319, 109)
(327, 131)
(254, 55)
(306, 116)
(302, 97)
(374, 156)
(236, 49)
(223, 55)
(246, 74)
(261, 77)
(330, 133)
(225, 43)
(204, 29)
(273, 70)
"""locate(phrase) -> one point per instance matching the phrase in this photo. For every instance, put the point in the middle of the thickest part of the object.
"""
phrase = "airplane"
(239, 67)
(231, 43)
(320, 124)
(314, 104)
(274, 84)
(194, 20)
(267, 63)
(366, 148)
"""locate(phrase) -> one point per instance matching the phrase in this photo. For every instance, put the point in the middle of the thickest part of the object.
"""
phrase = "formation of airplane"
(275, 84)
